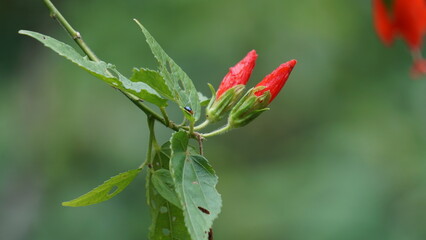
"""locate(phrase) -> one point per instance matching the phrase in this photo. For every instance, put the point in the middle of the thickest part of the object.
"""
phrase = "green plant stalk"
(165, 116)
(54, 13)
(76, 36)
(148, 111)
(152, 139)
(202, 125)
(216, 132)
(151, 123)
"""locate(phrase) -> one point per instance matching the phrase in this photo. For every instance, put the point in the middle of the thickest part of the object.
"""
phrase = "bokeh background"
(341, 154)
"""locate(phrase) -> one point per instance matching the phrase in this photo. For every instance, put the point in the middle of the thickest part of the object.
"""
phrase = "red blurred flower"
(238, 74)
(276, 80)
(405, 18)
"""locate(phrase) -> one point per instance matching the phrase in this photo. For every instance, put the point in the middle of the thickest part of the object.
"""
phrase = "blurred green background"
(341, 154)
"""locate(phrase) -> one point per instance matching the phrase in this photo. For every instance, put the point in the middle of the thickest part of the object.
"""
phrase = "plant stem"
(202, 125)
(191, 127)
(148, 111)
(151, 123)
(200, 144)
(165, 116)
(217, 131)
(54, 12)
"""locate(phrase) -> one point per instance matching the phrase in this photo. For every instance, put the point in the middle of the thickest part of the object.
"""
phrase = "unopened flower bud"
(231, 88)
(276, 80)
(258, 98)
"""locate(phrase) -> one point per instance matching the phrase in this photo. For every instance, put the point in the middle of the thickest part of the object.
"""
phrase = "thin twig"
(200, 144)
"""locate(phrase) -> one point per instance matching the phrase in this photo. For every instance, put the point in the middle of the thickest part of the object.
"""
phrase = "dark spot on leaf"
(149, 165)
(112, 190)
(204, 210)
(210, 234)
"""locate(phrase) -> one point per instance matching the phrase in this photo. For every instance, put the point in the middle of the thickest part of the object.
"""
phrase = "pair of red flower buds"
(255, 101)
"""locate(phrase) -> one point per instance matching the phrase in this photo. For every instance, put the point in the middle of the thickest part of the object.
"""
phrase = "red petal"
(383, 22)
(276, 80)
(410, 20)
(238, 74)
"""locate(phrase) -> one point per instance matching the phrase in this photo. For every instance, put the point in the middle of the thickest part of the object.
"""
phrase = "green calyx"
(248, 108)
(218, 108)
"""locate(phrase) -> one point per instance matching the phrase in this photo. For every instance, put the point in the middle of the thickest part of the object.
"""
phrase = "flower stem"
(202, 125)
(217, 131)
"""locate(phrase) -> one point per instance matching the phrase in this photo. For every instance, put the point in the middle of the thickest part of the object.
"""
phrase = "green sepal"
(213, 98)
(218, 108)
(248, 108)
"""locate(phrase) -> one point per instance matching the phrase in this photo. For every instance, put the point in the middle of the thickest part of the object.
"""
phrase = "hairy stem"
(216, 132)
(202, 125)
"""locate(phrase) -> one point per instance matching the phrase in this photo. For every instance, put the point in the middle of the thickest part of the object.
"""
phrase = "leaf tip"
(24, 32)
(66, 204)
(137, 22)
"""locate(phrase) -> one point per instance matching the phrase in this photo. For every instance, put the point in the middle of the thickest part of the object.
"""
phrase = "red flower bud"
(238, 74)
(400, 17)
(276, 80)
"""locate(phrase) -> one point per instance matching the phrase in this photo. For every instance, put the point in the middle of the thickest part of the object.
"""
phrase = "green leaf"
(195, 182)
(204, 101)
(106, 191)
(176, 79)
(153, 79)
(163, 183)
(167, 219)
(100, 70)
(140, 90)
